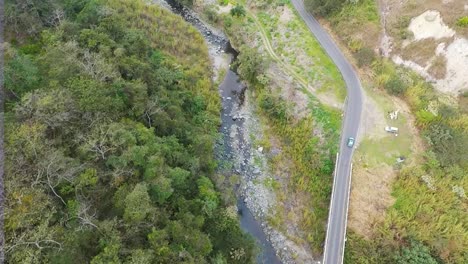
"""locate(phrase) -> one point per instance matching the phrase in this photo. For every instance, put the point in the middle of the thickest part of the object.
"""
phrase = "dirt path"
(288, 69)
(274, 56)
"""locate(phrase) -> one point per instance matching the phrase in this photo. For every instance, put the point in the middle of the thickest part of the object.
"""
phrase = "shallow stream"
(232, 93)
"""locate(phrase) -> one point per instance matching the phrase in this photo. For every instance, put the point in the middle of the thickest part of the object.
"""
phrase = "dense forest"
(111, 118)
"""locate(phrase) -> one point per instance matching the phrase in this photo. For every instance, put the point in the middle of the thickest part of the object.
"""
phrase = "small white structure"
(391, 129)
(394, 115)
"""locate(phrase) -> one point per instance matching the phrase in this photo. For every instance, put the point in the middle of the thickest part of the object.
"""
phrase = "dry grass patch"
(420, 52)
(450, 11)
(463, 102)
(370, 198)
(438, 67)
(358, 24)
(288, 90)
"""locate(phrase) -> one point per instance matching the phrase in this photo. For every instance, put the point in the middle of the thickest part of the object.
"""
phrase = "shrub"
(249, 64)
(462, 21)
(395, 85)
(324, 7)
(223, 2)
(417, 253)
(402, 27)
(238, 11)
(274, 106)
(227, 22)
(211, 14)
(365, 56)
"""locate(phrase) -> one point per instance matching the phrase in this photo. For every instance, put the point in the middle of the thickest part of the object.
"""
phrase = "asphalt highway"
(337, 220)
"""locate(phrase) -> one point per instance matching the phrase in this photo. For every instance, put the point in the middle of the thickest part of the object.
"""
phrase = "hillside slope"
(111, 122)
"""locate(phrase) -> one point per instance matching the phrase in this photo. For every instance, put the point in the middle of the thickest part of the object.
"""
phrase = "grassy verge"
(374, 151)
(308, 161)
(322, 72)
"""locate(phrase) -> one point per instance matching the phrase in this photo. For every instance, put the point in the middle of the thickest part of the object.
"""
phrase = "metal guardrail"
(330, 208)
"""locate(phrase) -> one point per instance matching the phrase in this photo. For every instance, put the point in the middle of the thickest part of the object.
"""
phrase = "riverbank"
(243, 166)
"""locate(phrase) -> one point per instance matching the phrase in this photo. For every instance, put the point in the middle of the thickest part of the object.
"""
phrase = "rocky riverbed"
(240, 130)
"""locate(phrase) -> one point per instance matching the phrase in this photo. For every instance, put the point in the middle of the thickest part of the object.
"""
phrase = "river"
(232, 93)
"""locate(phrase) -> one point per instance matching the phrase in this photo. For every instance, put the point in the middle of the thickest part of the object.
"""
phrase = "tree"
(395, 85)
(416, 253)
(108, 136)
(208, 195)
(21, 75)
(324, 7)
(237, 11)
(250, 64)
(31, 16)
(140, 256)
(365, 56)
(137, 204)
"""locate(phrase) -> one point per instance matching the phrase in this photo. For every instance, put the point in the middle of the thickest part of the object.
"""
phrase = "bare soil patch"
(286, 15)
(225, 9)
(415, 26)
(456, 78)
(429, 25)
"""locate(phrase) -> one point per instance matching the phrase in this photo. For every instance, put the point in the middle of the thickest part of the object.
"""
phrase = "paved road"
(337, 220)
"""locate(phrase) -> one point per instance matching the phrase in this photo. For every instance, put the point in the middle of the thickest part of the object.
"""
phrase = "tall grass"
(310, 159)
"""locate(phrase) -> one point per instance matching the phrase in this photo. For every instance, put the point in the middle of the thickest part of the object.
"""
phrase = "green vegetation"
(430, 205)
(429, 221)
(324, 7)
(311, 164)
(357, 12)
(417, 253)
(385, 150)
(311, 161)
(394, 80)
(462, 21)
(238, 11)
(112, 119)
(352, 19)
(283, 49)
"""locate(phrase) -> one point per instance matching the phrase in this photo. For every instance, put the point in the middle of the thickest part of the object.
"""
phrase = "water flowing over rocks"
(239, 128)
